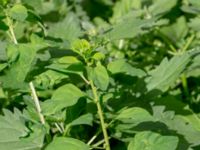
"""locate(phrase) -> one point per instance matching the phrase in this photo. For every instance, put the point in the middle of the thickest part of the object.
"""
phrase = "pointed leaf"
(153, 141)
(167, 72)
(64, 96)
(121, 66)
(63, 143)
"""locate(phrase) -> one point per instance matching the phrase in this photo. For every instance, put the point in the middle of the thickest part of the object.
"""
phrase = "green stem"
(185, 84)
(183, 77)
(100, 113)
(188, 43)
(31, 85)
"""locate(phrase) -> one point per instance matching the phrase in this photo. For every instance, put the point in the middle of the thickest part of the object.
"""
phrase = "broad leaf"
(167, 72)
(153, 141)
(63, 143)
(186, 125)
(161, 7)
(67, 29)
(14, 133)
(134, 115)
(18, 12)
(99, 76)
(64, 96)
(130, 28)
(121, 66)
(176, 34)
(24, 56)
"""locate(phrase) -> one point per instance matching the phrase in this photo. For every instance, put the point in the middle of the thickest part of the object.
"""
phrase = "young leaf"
(18, 12)
(64, 143)
(153, 141)
(99, 75)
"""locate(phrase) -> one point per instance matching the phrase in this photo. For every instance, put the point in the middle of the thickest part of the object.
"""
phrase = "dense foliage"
(99, 74)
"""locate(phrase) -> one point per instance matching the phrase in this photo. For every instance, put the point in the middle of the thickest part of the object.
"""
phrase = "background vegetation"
(99, 74)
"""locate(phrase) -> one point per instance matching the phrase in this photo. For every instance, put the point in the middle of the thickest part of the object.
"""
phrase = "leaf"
(14, 133)
(134, 115)
(81, 46)
(67, 29)
(63, 143)
(68, 65)
(177, 31)
(167, 72)
(161, 7)
(65, 96)
(49, 78)
(121, 66)
(84, 119)
(122, 8)
(194, 23)
(182, 124)
(153, 141)
(130, 28)
(3, 46)
(18, 12)
(24, 56)
(99, 76)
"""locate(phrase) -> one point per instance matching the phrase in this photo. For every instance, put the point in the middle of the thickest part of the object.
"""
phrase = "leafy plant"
(123, 79)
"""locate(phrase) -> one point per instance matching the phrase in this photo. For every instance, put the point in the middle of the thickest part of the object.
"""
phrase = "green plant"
(124, 79)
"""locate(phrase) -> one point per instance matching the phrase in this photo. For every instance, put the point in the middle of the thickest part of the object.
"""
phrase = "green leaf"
(153, 141)
(122, 8)
(65, 96)
(134, 115)
(167, 72)
(14, 133)
(185, 124)
(161, 7)
(121, 66)
(63, 143)
(18, 12)
(130, 28)
(177, 31)
(24, 57)
(67, 29)
(81, 46)
(84, 119)
(49, 78)
(68, 65)
(99, 76)
(3, 66)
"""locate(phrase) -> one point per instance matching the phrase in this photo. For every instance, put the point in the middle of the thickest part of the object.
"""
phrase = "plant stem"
(10, 25)
(59, 128)
(34, 95)
(98, 143)
(183, 77)
(37, 104)
(100, 113)
(188, 43)
(94, 137)
(185, 84)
